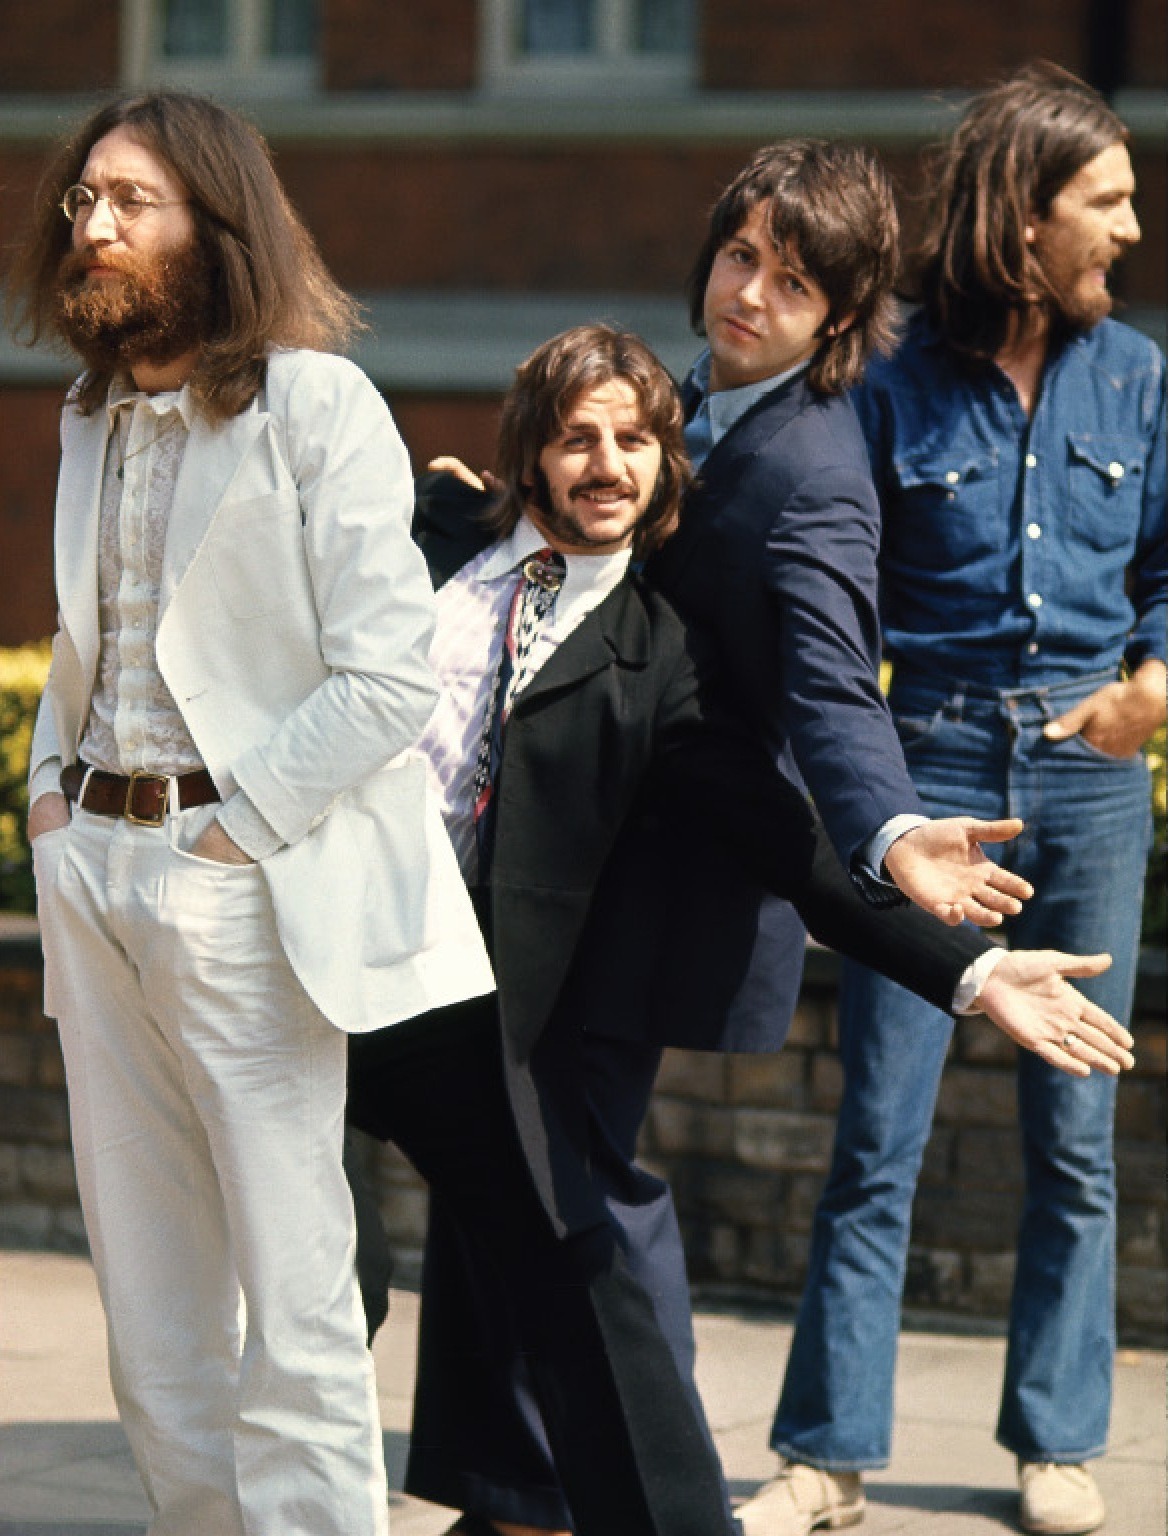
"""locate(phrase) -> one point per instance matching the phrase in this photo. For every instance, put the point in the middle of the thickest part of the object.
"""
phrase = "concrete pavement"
(65, 1469)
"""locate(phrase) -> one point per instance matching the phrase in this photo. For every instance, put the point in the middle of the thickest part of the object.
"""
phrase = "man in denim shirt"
(1017, 442)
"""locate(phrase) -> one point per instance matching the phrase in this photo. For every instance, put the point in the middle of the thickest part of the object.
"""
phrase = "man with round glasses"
(222, 786)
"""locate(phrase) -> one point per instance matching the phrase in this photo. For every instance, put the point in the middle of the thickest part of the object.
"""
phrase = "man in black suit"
(608, 735)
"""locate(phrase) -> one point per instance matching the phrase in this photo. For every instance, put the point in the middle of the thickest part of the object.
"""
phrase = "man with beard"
(222, 796)
(1017, 440)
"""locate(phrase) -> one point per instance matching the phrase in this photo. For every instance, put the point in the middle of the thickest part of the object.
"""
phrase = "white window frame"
(612, 69)
(246, 71)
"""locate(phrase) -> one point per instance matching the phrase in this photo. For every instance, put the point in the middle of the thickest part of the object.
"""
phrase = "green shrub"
(22, 677)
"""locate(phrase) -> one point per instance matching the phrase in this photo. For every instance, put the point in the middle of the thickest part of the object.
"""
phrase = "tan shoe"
(803, 1499)
(1058, 1500)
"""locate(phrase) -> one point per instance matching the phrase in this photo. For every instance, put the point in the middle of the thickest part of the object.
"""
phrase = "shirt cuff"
(246, 827)
(871, 854)
(973, 979)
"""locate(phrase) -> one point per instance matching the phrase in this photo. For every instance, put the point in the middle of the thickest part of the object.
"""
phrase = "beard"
(1077, 302)
(152, 309)
(559, 519)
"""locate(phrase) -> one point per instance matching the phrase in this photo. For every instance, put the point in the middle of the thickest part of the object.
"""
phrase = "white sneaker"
(803, 1499)
(1058, 1500)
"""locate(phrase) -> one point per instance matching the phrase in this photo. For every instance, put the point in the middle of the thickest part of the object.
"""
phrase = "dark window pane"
(558, 26)
(194, 29)
(293, 29)
(664, 26)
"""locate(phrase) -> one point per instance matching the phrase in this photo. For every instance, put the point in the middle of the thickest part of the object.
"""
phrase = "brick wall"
(744, 1140)
(368, 45)
(902, 45)
(65, 45)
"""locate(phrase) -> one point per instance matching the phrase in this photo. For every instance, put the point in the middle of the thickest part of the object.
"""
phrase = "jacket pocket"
(256, 548)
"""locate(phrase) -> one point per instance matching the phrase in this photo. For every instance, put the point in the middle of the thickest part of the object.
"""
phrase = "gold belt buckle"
(160, 816)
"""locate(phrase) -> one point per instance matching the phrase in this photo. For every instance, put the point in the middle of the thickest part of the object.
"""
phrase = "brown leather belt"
(140, 797)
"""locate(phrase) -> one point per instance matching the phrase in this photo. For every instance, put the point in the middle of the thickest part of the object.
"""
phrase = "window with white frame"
(247, 46)
(552, 45)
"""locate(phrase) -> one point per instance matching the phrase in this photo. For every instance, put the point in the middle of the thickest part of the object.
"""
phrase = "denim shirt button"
(1031, 461)
(1033, 531)
(1115, 470)
(1034, 600)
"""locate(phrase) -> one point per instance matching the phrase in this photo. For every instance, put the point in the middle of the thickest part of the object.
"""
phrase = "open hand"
(942, 868)
(1029, 998)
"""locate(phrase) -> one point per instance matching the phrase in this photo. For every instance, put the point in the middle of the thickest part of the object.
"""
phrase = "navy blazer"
(775, 563)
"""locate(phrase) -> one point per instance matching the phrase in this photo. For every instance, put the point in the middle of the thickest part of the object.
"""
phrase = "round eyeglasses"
(126, 201)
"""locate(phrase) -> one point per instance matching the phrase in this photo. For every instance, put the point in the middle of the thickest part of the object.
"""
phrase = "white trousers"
(206, 1098)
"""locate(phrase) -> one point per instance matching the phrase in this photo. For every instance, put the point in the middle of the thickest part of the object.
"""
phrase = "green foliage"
(22, 676)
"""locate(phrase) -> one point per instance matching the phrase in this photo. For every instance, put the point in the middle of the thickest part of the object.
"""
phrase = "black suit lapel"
(617, 630)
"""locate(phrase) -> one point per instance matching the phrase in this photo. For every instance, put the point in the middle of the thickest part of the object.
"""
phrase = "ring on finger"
(1067, 1038)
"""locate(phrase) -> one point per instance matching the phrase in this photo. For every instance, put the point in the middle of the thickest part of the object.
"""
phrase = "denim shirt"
(1021, 551)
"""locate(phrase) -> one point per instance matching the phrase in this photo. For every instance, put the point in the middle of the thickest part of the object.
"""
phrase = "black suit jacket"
(614, 752)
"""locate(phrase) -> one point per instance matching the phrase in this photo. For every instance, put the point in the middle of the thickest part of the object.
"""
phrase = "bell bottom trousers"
(1087, 817)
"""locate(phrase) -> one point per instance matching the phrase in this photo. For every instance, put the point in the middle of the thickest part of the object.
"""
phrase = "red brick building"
(483, 172)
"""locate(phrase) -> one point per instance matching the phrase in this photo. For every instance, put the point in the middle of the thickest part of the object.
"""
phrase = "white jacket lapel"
(83, 445)
(214, 456)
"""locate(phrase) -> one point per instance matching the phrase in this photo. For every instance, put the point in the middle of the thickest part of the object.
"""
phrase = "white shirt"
(468, 643)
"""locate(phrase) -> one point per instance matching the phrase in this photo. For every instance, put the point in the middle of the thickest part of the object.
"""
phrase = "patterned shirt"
(468, 642)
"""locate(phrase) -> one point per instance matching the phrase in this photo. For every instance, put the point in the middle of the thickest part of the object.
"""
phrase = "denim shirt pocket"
(949, 507)
(1105, 484)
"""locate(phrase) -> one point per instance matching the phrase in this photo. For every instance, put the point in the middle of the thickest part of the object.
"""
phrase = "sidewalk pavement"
(65, 1469)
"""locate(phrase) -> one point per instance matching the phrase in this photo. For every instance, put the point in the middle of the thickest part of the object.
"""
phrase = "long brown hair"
(831, 207)
(270, 286)
(546, 386)
(1017, 146)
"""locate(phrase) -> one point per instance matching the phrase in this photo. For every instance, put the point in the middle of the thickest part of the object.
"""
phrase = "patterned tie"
(540, 580)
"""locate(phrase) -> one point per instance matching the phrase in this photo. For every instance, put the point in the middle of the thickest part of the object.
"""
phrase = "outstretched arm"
(942, 868)
(1030, 999)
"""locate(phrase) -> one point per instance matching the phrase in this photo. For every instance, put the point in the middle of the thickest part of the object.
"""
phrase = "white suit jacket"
(294, 622)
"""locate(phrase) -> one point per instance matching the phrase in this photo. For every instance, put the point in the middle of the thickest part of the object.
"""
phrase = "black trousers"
(478, 1441)
(629, 1445)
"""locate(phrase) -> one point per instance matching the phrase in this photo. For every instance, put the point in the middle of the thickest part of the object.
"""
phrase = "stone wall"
(745, 1141)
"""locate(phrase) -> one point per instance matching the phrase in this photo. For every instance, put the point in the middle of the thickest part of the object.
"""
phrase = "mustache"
(586, 487)
(74, 266)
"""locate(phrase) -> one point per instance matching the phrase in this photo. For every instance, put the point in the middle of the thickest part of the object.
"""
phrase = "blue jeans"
(1088, 824)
